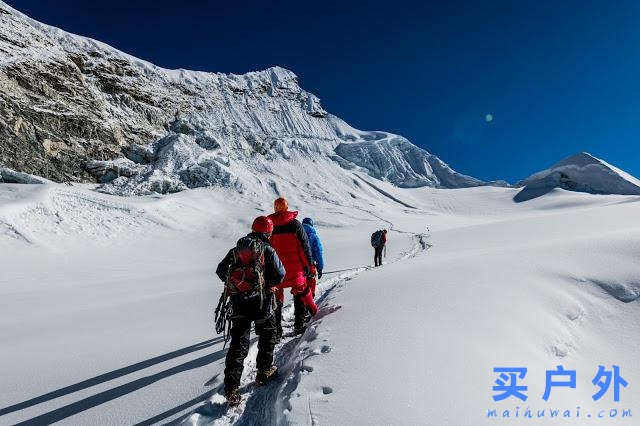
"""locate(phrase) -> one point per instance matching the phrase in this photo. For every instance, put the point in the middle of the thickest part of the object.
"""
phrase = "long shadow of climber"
(108, 376)
(108, 395)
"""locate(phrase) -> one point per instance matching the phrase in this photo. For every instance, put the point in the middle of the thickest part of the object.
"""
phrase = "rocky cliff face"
(62, 104)
(73, 108)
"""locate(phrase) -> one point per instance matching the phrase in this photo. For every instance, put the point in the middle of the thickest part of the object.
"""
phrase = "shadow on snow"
(108, 395)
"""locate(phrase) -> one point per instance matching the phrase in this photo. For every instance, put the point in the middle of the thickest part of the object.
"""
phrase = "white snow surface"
(107, 301)
(107, 306)
(583, 173)
(8, 175)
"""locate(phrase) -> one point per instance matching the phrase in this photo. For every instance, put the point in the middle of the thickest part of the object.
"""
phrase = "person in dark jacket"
(292, 245)
(378, 240)
(316, 251)
(250, 286)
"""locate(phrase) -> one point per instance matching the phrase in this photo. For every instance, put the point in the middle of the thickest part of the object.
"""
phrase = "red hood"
(282, 218)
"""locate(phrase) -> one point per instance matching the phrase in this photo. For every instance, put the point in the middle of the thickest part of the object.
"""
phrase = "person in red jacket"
(290, 241)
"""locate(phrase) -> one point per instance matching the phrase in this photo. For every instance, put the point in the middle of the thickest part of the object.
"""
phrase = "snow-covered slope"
(583, 173)
(106, 301)
(107, 307)
(552, 283)
(77, 109)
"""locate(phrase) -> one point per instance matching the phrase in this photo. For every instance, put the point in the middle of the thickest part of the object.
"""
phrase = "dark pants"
(299, 312)
(278, 315)
(377, 257)
(245, 312)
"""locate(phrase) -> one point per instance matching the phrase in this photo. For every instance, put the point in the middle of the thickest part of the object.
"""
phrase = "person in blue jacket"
(316, 250)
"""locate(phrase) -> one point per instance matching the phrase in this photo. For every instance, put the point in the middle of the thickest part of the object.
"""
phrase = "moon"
(488, 118)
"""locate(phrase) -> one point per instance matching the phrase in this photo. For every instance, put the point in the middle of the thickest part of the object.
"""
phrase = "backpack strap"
(258, 250)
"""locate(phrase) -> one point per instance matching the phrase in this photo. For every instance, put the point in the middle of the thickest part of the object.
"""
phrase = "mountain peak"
(78, 109)
(580, 172)
(580, 159)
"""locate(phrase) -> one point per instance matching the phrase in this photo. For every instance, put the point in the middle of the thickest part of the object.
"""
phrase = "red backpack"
(246, 271)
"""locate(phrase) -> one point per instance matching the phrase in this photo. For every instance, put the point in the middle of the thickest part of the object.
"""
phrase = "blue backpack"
(376, 239)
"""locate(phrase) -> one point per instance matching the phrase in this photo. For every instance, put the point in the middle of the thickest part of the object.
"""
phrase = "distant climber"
(316, 251)
(292, 245)
(378, 241)
(251, 270)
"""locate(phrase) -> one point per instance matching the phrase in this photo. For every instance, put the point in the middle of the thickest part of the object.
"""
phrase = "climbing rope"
(341, 270)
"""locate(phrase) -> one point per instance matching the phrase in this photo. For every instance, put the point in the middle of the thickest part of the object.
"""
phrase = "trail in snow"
(270, 403)
(558, 273)
(421, 242)
(145, 257)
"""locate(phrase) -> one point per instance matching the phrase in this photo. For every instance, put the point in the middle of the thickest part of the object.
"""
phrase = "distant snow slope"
(77, 109)
(583, 173)
(555, 282)
(107, 306)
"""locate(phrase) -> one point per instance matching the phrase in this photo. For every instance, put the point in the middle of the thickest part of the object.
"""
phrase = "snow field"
(118, 293)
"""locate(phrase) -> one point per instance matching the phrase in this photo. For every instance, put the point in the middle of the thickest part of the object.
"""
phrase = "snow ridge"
(78, 109)
(582, 173)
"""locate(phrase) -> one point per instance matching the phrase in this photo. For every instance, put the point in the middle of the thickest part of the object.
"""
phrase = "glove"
(311, 271)
(319, 273)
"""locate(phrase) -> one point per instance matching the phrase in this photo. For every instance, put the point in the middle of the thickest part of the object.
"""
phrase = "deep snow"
(107, 306)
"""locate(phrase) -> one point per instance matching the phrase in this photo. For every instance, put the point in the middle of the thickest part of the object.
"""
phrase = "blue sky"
(558, 77)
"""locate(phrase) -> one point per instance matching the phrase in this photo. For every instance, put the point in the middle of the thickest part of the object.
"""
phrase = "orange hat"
(280, 205)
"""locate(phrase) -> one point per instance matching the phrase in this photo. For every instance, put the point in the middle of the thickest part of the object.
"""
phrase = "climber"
(378, 241)
(316, 251)
(250, 271)
(292, 245)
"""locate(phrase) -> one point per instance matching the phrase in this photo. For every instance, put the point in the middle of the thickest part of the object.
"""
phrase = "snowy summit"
(582, 173)
(76, 109)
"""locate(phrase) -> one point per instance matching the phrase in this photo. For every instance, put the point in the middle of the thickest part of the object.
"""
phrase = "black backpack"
(376, 239)
(246, 270)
